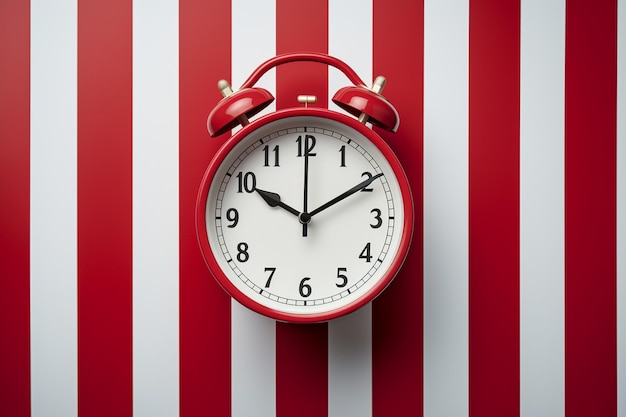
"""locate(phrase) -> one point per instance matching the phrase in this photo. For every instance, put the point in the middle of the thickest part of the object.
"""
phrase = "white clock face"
(305, 216)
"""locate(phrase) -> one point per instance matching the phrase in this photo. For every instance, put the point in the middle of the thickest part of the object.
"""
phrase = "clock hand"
(306, 183)
(340, 197)
(273, 200)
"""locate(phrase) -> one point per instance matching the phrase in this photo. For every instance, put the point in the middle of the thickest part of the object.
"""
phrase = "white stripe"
(253, 337)
(350, 364)
(621, 209)
(350, 338)
(155, 208)
(542, 208)
(253, 42)
(53, 245)
(446, 37)
(253, 366)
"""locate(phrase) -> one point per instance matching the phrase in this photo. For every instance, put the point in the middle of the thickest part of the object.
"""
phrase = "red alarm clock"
(304, 214)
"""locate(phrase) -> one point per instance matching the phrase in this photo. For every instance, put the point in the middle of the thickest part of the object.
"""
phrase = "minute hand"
(348, 193)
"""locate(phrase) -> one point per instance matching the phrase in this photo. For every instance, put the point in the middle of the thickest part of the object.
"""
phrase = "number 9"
(233, 216)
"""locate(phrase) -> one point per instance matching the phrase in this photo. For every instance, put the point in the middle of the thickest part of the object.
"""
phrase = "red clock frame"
(209, 175)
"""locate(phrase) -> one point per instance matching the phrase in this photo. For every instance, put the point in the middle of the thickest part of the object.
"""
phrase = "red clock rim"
(231, 289)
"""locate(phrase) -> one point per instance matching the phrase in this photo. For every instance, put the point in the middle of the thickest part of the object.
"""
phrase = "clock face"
(304, 218)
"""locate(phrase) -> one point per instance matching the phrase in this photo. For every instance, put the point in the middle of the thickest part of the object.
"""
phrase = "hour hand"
(273, 200)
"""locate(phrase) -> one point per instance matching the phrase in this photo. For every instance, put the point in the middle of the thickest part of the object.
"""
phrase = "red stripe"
(14, 208)
(301, 350)
(494, 59)
(105, 208)
(204, 307)
(301, 27)
(397, 314)
(590, 209)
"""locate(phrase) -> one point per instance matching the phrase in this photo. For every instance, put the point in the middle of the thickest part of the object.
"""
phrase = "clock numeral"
(367, 189)
(377, 216)
(305, 289)
(342, 151)
(269, 279)
(246, 182)
(342, 277)
(232, 215)
(366, 253)
(309, 144)
(242, 252)
(266, 151)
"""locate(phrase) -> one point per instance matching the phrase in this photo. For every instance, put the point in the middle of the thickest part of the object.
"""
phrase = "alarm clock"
(304, 214)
